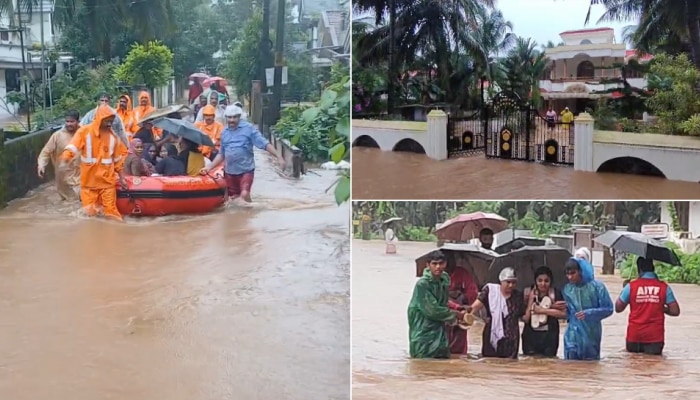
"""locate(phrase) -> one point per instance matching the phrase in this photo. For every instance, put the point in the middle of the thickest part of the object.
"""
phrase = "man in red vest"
(650, 300)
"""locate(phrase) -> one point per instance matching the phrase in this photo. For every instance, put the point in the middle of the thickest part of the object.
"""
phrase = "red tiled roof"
(633, 53)
(591, 30)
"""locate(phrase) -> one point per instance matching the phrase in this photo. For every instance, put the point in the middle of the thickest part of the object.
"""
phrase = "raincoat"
(127, 117)
(212, 130)
(117, 125)
(140, 113)
(428, 315)
(102, 156)
(582, 337)
(567, 117)
(67, 179)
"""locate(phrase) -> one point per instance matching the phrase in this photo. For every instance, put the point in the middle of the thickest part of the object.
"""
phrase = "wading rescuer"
(102, 157)
(236, 152)
(68, 178)
(650, 300)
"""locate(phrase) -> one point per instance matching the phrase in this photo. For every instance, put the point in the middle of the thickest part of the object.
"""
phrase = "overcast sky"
(543, 20)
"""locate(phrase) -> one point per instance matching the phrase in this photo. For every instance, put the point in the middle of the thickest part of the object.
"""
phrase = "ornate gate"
(465, 135)
(515, 130)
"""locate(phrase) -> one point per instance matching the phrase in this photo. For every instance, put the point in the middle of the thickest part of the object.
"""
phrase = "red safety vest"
(646, 319)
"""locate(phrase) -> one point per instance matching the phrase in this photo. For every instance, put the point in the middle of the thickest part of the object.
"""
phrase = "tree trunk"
(692, 17)
(608, 262)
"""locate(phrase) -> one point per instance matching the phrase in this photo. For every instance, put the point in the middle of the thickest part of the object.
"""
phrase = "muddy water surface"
(381, 289)
(385, 175)
(245, 303)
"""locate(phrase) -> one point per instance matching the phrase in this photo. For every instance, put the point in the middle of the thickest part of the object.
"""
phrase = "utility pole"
(264, 46)
(279, 62)
(392, 58)
(20, 30)
(43, 68)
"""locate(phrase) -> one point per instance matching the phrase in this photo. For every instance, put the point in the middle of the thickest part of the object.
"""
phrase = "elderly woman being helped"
(505, 306)
(545, 306)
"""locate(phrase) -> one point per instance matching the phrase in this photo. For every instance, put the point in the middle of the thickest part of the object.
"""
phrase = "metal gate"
(465, 135)
(517, 131)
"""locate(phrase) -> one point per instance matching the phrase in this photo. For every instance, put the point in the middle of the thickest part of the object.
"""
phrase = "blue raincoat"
(582, 337)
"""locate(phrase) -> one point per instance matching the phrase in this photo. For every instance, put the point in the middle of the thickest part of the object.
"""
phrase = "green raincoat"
(427, 317)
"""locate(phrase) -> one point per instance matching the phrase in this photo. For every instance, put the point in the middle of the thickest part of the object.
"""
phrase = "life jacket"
(646, 319)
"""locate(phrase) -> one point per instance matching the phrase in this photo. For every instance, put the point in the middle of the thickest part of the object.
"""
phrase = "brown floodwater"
(385, 175)
(381, 290)
(245, 303)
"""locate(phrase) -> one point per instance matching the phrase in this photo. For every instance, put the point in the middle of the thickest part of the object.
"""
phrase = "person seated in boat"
(147, 135)
(191, 157)
(135, 165)
(211, 128)
(545, 307)
(169, 164)
(150, 156)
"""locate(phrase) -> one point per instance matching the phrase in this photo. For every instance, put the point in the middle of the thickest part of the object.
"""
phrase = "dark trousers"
(654, 349)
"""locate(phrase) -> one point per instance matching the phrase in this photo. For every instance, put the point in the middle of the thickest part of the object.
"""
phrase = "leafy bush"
(689, 272)
(416, 234)
(323, 131)
(675, 100)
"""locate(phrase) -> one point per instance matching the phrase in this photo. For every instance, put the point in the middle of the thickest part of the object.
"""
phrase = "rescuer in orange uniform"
(211, 128)
(102, 156)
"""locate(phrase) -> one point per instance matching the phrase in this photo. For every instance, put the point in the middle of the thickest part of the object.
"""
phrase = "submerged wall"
(18, 161)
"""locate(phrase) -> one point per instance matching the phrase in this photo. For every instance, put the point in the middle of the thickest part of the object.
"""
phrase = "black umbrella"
(184, 129)
(638, 244)
(526, 260)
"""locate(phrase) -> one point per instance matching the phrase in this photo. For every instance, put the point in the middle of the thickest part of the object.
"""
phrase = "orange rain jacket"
(102, 154)
(212, 130)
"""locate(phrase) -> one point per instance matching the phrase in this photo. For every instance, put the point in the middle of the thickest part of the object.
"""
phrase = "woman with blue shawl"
(588, 303)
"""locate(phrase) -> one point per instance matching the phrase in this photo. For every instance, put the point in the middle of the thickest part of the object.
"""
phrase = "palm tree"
(523, 68)
(659, 21)
(496, 37)
(104, 19)
(424, 30)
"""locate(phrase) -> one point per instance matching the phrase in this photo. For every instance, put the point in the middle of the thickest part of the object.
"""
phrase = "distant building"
(574, 72)
(30, 18)
(330, 31)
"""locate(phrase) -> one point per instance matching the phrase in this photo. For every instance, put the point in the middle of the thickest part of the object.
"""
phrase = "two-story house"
(24, 27)
(575, 74)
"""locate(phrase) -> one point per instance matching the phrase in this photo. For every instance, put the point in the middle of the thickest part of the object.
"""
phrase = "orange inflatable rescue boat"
(155, 196)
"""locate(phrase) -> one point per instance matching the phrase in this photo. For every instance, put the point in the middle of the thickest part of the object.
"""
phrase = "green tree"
(241, 64)
(197, 38)
(150, 65)
(102, 22)
(675, 101)
(522, 69)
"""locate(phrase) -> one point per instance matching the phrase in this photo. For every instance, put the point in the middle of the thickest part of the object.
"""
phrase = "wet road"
(381, 290)
(379, 175)
(246, 303)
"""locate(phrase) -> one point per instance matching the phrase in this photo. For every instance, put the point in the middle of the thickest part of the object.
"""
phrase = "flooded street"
(245, 303)
(381, 290)
(480, 178)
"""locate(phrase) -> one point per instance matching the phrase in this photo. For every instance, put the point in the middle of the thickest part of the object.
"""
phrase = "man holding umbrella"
(650, 300)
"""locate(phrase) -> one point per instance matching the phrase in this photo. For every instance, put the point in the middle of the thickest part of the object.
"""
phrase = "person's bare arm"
(672, 309)
(620, 306)
(476, 306)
